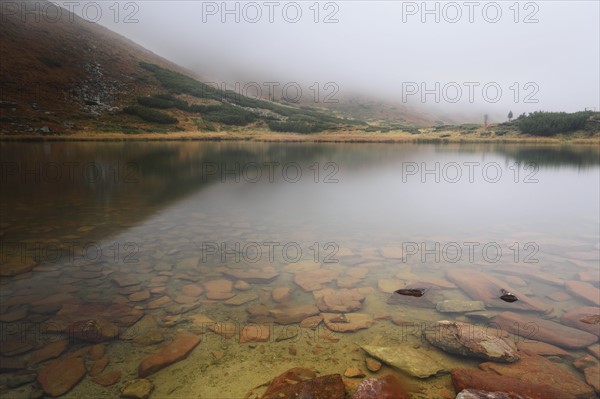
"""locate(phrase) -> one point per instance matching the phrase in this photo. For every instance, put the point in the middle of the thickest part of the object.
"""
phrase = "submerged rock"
(174, 352)
(344, 300)
(477, 394)
(470, 340)
(94, 330)
(291, 376)
(252, 276)
(538, 370)
(456, 306)
(585, 291)
(387, 387)
(328, 386)
(60, 376)
(586, 318)
(349, 323)
(137, 389)
(483, 287)
(480, 380)
(416, 362)
(544, 330)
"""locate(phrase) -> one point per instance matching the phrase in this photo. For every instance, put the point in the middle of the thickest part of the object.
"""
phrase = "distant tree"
(485, 120)
(510, 116)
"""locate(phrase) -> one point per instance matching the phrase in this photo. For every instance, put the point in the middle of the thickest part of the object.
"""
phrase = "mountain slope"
(71, 75)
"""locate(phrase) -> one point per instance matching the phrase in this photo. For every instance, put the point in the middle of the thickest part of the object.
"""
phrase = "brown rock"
(538, 370)
(536, 328)
(387, 387)
(350, 323)
(107, 379)
(97, 351)
(242, 285)
(159, 302)
(125, 281)
(254, 333)
(486, 288)
(541, 348)
(117, 313)
(281, 294)
(252, 276)
(94, 330)
(354, 372)
(139, 296)
(533, 273)
(225, 329)
(220, 285)
(373, 365)
(559, 296)
(342, 301)
(137, 389)
(242, 298)
(174, 352)
(470, 340)
(184, 299)
(60, 376)
(289, 314)
(311, 322)
(192, 290)
(50, 351)
(577, 318)
(583, 290)
(492, 382)
(313, 280)
(15, 315)
(16, 266)
(98, 366)
(8, 365)
(329, 387)
(514, 280)
(290, 377)
(594, 350)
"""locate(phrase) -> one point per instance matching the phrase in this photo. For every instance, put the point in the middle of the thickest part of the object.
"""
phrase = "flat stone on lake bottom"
(60, 376)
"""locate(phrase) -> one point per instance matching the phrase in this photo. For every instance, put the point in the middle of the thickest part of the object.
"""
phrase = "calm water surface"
(125, 230)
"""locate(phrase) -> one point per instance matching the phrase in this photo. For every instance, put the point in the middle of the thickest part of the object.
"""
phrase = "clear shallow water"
(375, 215)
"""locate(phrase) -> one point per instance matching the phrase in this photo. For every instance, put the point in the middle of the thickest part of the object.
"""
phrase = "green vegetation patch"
(150, 115)
(550, 123)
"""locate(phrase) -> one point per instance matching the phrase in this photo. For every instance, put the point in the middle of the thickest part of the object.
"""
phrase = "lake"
(281, 255)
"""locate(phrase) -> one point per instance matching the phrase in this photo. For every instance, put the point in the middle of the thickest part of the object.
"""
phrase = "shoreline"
(338, 137)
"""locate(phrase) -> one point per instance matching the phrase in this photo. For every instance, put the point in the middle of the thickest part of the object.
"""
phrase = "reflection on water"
(285, 255)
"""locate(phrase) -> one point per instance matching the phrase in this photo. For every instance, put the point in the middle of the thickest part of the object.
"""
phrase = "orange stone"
(254, 333)
(174, 352)
(60, 376)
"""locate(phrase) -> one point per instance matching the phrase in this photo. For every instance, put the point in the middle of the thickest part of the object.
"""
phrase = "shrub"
(549, 123)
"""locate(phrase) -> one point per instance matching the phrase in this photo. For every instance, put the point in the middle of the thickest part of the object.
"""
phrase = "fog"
(478, 57)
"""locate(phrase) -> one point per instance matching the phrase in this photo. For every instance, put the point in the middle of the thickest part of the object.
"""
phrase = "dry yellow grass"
(342, 136)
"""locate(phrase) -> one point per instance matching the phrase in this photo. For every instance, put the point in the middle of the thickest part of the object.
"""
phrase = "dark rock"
(492, 382)
(326, 387)
(387, 387)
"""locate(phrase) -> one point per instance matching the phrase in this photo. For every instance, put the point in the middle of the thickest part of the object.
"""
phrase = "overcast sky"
(542, 55)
